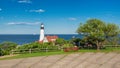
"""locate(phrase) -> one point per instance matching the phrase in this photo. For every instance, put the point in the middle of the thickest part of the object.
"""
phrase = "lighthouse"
(41, 33)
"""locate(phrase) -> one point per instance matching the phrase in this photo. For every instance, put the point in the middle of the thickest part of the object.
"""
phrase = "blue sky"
(58, 16)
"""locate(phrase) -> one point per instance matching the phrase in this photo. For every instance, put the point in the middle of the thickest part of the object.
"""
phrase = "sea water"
(28, 38)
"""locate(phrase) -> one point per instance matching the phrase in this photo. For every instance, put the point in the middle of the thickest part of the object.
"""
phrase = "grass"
(112, 49)
(108, 49)
(35, 55)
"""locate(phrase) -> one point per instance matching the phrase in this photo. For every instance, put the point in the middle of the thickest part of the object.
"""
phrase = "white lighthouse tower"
(41, 33)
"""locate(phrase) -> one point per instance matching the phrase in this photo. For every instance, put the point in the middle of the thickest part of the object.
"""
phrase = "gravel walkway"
(79, 60)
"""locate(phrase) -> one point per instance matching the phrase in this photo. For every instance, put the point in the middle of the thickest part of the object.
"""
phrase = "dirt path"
(79, 60)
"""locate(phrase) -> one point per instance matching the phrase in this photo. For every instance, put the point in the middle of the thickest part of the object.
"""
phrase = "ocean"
(28, 38)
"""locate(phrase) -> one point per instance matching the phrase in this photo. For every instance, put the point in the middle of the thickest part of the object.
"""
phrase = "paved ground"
(79, 60)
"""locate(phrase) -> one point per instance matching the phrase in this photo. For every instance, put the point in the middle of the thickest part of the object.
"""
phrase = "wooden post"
(30, 51)
(61, 48)
(12, 52)
(46, 49)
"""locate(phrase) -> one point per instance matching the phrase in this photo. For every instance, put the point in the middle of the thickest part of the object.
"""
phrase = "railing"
(112, 45)
(22, 51)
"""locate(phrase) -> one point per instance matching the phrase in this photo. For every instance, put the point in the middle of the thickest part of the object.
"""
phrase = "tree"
(112, 33)
(75, 41)
(98, 31)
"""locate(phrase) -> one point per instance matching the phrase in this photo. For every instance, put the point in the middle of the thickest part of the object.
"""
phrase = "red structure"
(50, 38)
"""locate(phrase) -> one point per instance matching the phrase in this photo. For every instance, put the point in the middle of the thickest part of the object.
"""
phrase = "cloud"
(24, 1)
(23, 23)
(38, 11)
(0, 9)
(72, 19)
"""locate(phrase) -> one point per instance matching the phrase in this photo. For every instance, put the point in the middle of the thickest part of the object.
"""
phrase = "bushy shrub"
(69, 47)
(6, 47)
(60, 41)
(38, 47)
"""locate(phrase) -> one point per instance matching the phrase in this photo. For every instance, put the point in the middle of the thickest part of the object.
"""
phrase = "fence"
(112, 46)
(22, 51)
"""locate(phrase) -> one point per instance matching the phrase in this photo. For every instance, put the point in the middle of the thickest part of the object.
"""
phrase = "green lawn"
(108, 49)
(35, 55)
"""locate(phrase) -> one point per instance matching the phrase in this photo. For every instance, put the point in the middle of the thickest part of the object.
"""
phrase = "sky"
(58, 16)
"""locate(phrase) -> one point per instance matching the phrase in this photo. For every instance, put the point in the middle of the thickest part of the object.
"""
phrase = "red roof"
(51, 38)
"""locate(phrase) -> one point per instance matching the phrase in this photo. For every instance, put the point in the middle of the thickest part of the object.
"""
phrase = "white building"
(41, 33)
